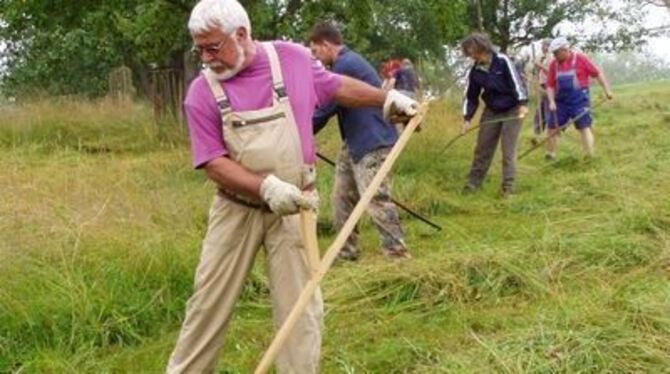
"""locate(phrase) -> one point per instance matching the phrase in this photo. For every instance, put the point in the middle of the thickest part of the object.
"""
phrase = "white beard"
(229, 73)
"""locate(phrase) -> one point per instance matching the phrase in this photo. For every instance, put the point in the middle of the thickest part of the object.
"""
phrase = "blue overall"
(572, 100)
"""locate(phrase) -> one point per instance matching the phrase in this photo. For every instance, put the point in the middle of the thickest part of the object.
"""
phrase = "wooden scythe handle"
(334, 249)
(309, 239)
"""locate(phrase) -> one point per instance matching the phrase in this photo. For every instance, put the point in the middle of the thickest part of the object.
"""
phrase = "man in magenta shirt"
(250, 122)
(308, 85)
(568, 82)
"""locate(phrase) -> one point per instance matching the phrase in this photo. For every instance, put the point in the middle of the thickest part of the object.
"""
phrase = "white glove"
(397, 103)
(285, 198)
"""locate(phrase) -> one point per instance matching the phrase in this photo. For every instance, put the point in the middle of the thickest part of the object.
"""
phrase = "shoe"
(469, 189)
(550, 157)
(507, 192)
(398, 253)
(348, 255)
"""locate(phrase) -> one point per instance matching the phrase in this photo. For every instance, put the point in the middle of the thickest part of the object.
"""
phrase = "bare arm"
(605, 84)
(551, 95)
(355, 94)
(234, 177)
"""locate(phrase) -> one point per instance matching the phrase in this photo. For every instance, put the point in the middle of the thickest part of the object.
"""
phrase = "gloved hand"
(285, 198)
(523, 111)
(399, 104)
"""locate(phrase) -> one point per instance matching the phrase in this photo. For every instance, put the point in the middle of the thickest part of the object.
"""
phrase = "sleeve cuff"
(202, 161)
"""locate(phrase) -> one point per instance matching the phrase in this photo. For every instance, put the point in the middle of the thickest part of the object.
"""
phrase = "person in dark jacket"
(368, 139)
(494, 78)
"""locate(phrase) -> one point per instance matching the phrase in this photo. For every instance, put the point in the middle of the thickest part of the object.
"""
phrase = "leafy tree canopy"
(68, 46)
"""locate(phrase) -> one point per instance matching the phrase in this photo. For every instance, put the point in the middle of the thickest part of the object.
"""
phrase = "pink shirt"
(308, 85)
(586, 69)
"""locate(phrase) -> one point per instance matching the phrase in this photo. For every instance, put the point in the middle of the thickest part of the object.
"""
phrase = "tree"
(511, 23)
(62, 46)
(661, 3)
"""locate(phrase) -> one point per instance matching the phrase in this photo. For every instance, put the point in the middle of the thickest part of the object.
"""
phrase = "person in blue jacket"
(494, 78)
(367, 140)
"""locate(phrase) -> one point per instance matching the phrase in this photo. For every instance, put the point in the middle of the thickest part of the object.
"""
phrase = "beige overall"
(264, 141)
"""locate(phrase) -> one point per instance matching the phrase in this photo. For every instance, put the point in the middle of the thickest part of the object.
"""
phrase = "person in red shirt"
(389, 71)
(568, 82)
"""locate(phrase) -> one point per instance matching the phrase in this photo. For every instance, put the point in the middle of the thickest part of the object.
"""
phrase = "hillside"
(101, 221)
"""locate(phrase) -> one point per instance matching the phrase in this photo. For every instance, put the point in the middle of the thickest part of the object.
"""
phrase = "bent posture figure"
(568, 83)
(250, 122)
(494, 77)
(367, 140)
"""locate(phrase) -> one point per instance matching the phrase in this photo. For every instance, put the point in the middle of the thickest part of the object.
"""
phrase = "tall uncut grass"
(101, 218)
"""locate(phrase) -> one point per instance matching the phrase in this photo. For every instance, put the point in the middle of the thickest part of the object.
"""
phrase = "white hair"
(228, 15)
(558, 43)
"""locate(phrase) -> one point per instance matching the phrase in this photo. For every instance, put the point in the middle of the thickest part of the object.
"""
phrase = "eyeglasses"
(211, 49)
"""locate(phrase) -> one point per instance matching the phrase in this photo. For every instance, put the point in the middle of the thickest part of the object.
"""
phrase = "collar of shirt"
(567, 63)
(338, 59)
(486, 67)
(342, 51)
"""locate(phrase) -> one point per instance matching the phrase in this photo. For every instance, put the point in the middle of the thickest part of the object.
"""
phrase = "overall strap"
(219, 94)
(575, 78)
(277, 77)
(574, 60)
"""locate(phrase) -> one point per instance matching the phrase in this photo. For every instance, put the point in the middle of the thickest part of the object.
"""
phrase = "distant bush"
(629, 67)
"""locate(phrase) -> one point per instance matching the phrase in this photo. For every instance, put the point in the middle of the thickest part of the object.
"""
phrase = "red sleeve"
(588, 65)
(551, 75)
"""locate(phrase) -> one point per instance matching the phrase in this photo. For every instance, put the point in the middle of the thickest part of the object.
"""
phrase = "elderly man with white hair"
(568, 82)
(250, 121)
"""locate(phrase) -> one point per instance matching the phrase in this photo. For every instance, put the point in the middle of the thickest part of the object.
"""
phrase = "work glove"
(284, 198)
(523, 111)
(399, 105)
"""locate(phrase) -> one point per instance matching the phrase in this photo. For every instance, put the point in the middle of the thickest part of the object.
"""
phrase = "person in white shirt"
(535, 59)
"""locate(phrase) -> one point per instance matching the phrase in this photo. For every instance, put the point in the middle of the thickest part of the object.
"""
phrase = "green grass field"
(101, 221)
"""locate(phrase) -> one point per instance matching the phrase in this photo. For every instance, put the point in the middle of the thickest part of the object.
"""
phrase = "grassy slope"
(101, 222)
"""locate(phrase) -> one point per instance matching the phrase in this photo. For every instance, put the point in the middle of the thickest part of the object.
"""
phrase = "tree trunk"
(141, 77)
(505, 23)
(191, 68)
(480, 19)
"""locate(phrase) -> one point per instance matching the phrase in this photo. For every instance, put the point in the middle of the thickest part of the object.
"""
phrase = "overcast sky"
(655, 17)
(659, 46)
